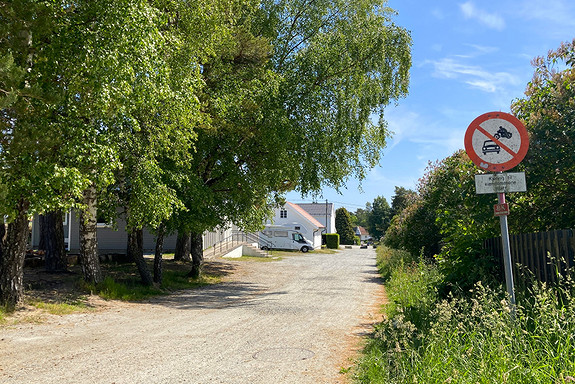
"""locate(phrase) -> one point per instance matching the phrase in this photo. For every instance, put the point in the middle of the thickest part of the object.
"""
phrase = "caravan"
(283, 237)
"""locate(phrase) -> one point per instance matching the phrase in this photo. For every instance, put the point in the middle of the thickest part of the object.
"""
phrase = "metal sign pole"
(496, 142)
(507, 255)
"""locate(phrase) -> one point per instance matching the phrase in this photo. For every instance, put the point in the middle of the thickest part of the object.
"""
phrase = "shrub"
(332, 240)
(343, 226)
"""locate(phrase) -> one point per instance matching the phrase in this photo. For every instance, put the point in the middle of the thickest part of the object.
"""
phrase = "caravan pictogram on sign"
(496, 141)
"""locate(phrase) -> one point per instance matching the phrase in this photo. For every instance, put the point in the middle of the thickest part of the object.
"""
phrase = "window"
(281, 233)
(267, 233)
(298, 237)
(283, 214)
(297, 228)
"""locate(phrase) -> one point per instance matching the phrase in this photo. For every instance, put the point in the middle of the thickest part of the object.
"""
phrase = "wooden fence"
(545, 254)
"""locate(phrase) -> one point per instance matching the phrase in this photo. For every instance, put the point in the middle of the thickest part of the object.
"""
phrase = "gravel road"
(297, 320)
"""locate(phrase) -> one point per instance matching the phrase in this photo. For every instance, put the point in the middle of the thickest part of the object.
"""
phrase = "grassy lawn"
(66, 293)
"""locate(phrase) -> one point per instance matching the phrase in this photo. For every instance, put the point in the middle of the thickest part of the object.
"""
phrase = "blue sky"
(469, 58)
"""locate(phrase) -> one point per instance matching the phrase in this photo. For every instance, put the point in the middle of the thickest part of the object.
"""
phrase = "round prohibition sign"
(496, 141)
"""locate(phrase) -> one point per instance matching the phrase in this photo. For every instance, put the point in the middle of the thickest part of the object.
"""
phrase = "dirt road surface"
(297, 320)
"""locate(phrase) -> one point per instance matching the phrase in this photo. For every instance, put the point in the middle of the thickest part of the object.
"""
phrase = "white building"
(300, 220)
(114, 239)
(362, 233)
(323, 213)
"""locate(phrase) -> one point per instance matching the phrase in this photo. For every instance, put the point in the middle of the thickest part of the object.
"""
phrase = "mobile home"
(284, 237)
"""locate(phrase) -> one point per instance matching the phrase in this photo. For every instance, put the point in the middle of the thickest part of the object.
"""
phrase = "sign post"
(507, 254)
(496, 142)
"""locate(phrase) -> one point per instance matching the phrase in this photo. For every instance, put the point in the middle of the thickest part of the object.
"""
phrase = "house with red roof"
(362, 233)
(293, 215)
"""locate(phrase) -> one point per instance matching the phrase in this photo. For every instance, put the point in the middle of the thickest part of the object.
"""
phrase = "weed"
(471, 338)
(133, 290)
(61, 308)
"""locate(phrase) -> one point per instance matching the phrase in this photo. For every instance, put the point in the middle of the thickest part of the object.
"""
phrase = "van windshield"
(298, 237)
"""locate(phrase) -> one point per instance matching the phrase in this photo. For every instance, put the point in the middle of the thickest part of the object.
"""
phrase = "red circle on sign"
(483, 156)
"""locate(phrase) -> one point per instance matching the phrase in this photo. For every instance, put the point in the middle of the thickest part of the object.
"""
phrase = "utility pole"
(326, 216)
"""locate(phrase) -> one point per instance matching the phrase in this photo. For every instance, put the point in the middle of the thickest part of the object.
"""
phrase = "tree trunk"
(41, 244)
(183, 247)
(197, 255)
(52, 234)
(158, 254)
(89, 258)
(136, 253)
(12, 254)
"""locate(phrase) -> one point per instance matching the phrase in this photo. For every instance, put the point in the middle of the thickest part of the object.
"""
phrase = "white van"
(283, 237)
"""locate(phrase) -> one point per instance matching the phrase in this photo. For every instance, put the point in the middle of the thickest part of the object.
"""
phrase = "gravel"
(297, 320)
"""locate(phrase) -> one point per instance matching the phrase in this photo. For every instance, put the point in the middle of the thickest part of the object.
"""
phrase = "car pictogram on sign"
(490, 146)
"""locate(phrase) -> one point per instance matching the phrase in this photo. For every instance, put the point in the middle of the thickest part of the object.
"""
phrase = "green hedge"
(332, 240)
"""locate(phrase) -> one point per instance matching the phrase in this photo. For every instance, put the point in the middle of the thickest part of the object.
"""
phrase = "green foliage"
(65, 308)
(389, 259)
(401, 199)
(134, 290)
(379, 217)
(449, 220)
(361, 215)
(411, 286)
(548, 112)
(343, 226)
(469, 339)
(332, 241)
(339, 62)
(415, 230)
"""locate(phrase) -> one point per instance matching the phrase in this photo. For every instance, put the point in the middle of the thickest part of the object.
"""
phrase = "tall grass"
(470, 339)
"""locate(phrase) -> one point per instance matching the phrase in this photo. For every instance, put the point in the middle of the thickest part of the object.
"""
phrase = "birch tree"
(290, 101)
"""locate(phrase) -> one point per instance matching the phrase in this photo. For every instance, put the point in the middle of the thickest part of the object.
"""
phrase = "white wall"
(294, 219)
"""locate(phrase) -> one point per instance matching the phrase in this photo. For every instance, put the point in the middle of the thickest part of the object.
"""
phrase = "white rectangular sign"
(500, 182)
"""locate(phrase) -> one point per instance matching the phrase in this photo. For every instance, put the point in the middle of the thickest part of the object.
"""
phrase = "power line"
(329, 201)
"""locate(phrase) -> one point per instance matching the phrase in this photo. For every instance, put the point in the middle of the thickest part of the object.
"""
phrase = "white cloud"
(472, 75)
(490, 20)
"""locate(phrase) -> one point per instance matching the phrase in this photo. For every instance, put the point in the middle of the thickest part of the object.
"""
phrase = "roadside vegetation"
(448, 317)
(62, 294)
(470, 337)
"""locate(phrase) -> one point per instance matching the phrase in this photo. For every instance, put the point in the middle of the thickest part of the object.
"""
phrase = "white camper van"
(283, 237)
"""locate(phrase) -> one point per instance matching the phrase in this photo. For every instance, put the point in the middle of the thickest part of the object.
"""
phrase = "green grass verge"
(131, 289)
(471, 339)
(61, 308)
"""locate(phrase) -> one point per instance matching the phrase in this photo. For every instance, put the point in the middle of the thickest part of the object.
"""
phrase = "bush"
(332, 240)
